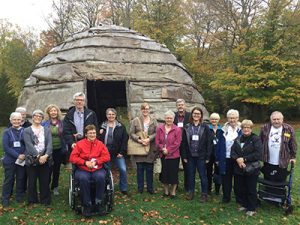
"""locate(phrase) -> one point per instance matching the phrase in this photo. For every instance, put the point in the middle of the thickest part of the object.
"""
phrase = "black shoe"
(165, 195)
(151, 192)
(124, 192)
(140, 191)
(5, 204)
(87, 211)
(190, 196)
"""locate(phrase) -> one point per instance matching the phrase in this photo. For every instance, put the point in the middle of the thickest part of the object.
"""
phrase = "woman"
(38, 143)
(144, 163)
(13, 160)
(54, 123)
(232, 130)
(168, 139)
(89, 155)
(196, 150)
(216, 165)
(113, 134)
(246, 150)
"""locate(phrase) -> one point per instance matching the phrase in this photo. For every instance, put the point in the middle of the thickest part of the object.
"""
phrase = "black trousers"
(246, 190)
(185, 176)
(41, 173)
(227, 182)
(58, 159)
(211, 169)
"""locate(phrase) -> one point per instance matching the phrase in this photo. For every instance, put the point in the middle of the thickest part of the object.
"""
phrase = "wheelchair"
(108, 198)
(275, 187)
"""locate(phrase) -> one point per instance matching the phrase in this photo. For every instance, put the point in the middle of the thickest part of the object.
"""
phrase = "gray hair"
(233, 112)
(15, 115)
(77, 94)
(38, 111)
(170, 113)
(112, 110)
(247, 123)
(21, 109)
(180, 100)
(215, 116)
(276, 112)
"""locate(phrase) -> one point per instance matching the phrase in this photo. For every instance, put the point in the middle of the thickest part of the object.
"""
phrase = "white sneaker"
(242, 209)
(250, 213)
(55, 191)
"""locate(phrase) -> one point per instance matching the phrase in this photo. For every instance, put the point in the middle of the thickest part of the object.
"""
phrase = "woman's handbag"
(136, 148)
(252, 167)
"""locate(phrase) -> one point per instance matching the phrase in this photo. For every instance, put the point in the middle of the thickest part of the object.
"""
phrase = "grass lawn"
(151, 209)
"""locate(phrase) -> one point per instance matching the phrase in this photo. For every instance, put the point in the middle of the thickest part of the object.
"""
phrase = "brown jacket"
(288, 146)
(135, 128)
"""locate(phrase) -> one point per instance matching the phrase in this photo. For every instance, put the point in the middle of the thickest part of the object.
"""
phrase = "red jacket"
(172, 143)
(86, 150)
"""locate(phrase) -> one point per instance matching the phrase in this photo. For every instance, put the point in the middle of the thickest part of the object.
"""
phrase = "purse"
(252, 167)
(135, 148)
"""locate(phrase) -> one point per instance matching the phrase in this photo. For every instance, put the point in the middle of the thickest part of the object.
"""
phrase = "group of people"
(227, 156)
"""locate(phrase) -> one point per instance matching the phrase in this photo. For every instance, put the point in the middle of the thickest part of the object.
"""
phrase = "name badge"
(17, 144)
(180, 124)
(242, 145)
(195, 137)
(215, 142)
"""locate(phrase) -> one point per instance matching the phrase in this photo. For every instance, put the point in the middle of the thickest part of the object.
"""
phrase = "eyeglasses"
(79, 100)
(197, 114)
(145, 109)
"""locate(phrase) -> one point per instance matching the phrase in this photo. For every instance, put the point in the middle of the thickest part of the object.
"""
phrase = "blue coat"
(219, 146)
(11, 153)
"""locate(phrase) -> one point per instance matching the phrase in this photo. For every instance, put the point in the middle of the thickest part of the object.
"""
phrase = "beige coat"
(134, 129)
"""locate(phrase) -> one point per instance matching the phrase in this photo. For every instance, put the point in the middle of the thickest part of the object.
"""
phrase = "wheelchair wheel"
(109, 193)
(71, 192)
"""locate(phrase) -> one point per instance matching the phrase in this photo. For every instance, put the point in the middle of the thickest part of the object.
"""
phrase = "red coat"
(86, 150)
(172, 143)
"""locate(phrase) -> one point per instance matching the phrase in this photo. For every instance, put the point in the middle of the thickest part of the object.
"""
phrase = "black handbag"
(33, 160)
(252, 167)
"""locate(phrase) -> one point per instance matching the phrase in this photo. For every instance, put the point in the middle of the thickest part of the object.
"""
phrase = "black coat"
(251, 150)
(120, 138)
(69, 128)
(185, 120)
(205, 146)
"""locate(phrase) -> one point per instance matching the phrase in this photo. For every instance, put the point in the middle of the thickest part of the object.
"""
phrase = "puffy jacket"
(86, 150)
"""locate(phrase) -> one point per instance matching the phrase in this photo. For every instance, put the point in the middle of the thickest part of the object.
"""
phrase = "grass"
(148, 209)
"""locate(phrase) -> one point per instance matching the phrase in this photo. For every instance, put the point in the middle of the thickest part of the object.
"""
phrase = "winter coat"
(172, 142)
(86, 150)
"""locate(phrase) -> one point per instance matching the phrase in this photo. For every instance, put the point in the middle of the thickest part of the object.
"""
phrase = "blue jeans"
(85, 178)
(141, 168)
(121, 165)
(199, 164)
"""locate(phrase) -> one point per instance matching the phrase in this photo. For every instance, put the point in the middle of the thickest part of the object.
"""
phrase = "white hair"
(180, 100)
(233, 112)
(15, 115)
(276, 112)
(215, 116)
(38, 111)
(21, 110)
(77, 94)
(170, 113)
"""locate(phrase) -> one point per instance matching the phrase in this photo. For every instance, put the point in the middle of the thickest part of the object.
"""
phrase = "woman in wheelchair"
(89, 155)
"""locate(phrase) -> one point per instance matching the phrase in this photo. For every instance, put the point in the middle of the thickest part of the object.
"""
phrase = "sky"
(28, 14)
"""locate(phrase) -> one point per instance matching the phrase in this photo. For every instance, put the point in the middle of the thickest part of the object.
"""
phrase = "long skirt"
(169, 171)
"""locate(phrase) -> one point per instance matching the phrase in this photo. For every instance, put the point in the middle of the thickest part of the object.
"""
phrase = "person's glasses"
(79, 100)
(37, 116)
(197, 114)
(145, 109)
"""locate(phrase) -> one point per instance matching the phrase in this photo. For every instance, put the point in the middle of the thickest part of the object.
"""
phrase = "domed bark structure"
(115, 67)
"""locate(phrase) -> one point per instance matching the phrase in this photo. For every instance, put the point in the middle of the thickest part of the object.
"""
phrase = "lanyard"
(13, 136)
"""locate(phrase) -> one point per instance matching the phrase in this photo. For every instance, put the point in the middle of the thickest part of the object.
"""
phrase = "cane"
(289, 209)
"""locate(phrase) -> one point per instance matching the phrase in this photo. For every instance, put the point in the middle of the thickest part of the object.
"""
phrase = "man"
(180, 120)
(279, 146)
(24, 123)
(76, 119)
